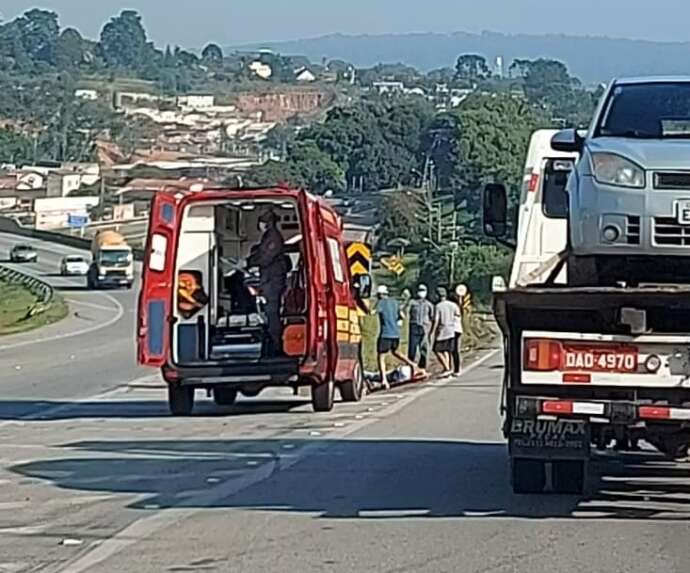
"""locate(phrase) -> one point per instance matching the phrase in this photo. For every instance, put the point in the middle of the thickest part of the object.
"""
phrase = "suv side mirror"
(495, 210)
(568, 141)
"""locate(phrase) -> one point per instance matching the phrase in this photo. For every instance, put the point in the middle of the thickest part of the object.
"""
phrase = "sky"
(192, 24)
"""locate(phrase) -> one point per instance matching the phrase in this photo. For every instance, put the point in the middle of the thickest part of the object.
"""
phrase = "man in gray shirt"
(421, 313)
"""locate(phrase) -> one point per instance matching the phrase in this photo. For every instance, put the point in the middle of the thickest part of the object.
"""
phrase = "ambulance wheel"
(353, 390)
(180, 400)
(323, 396)
(569, 477)
(224, 396)
(529, 476)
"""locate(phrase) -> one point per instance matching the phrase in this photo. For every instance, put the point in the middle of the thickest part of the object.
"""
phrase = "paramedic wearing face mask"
(421, 313)
(271, 258)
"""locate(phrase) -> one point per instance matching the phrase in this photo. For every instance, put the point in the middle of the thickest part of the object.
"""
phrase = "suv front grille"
(632, 231)
(676, 180)
(668, 232)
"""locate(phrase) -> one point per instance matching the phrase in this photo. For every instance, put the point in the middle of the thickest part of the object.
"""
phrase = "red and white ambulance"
(200, 308)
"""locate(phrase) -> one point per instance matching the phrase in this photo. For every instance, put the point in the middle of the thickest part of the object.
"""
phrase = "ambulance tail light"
(543, 355)
(295, 340)
(533, 184)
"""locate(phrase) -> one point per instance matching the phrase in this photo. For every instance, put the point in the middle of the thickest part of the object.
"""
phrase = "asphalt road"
(411, 480)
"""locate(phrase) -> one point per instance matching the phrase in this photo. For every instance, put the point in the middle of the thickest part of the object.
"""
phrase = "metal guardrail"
(41, 289)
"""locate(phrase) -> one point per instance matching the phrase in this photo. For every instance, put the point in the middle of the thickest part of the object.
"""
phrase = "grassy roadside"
(15, 303)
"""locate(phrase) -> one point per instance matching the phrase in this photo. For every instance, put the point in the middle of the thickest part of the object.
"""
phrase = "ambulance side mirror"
(362, 286)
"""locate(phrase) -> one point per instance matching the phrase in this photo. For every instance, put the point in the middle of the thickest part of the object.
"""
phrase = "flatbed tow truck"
(586, 367)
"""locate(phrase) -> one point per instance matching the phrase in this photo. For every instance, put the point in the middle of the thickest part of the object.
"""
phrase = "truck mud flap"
(549, 439)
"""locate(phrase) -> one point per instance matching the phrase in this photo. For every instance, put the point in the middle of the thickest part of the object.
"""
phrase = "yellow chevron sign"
(394, 265)
(359, 258)
(467, 302)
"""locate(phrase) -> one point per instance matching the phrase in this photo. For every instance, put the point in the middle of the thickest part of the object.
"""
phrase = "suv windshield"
(24, 248)
(647, 111)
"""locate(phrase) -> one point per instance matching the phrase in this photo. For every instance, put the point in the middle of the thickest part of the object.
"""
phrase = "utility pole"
(101, 194)
(451, 271)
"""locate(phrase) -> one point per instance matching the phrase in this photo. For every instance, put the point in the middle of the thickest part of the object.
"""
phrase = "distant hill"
(590, 58)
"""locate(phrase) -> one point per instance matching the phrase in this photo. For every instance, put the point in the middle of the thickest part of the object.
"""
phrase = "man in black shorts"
(447, 315)
(390, 317)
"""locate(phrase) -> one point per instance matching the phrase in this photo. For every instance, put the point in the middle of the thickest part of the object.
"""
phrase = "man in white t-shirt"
(445, 324)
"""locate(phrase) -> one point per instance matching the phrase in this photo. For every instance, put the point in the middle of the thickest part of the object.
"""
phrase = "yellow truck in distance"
(112, 264)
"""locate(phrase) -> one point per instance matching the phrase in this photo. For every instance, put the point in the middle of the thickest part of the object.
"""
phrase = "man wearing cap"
(390, 318)
(421, 313)
(270, 256)
(447, 316)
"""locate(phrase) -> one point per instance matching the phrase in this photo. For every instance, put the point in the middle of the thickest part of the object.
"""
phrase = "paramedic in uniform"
(271, 258)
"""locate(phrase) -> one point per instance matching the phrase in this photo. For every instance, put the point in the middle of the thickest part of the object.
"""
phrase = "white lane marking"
(90, 304)
(119, 314)
(393, 513)
(495, 513)
(14, 505)
(27, 530)
(162, 519)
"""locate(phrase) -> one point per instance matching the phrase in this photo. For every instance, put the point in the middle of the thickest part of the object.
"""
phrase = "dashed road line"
(91, 305)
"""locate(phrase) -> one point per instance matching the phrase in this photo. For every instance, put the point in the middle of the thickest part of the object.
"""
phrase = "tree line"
(383, 142)
(389, 143)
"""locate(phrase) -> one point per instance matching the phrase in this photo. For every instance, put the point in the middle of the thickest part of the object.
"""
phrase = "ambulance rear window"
(338, 272)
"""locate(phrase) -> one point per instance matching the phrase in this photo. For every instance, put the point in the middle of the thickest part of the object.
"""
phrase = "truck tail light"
(543, 355)
(655, 413)
(577, 378)
(557, 407)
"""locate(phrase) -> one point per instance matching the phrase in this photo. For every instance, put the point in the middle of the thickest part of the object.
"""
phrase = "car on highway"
(630, 192)
(23, 254)
(74, 265)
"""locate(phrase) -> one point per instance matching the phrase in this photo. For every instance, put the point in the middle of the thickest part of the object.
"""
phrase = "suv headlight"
(612, 169)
